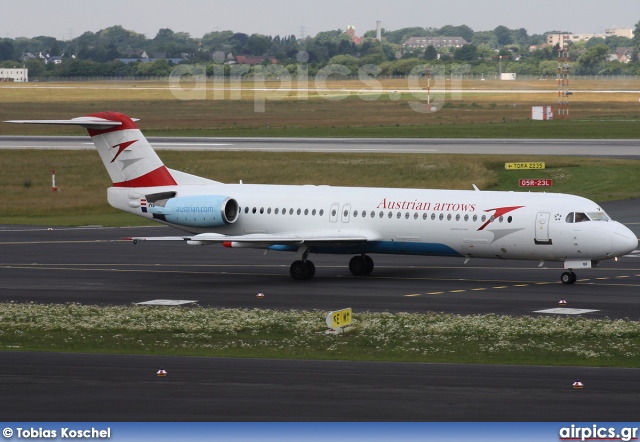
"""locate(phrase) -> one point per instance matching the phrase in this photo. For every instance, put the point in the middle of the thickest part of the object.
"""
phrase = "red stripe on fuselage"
(158, 177)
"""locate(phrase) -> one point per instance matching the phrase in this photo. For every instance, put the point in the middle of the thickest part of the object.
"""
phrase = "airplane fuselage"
(505, 225)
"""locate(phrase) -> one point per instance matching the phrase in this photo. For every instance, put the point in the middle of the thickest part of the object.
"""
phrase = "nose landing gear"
(568, 278)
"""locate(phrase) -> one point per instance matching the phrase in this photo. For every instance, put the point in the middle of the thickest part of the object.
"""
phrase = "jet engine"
(196, 211)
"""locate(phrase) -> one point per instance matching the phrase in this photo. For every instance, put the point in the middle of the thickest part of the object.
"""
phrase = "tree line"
(100, 54)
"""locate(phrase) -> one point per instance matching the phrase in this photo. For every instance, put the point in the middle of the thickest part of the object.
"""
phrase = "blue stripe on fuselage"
(389, 247)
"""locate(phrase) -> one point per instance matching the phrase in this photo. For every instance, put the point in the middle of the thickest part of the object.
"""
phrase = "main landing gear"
(361, 265)
(302, 269)
(568, 278)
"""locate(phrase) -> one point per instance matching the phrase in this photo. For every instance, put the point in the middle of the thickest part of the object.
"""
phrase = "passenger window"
(299, 211)
(313, 212)
(415, 215)
(381, 214)
(364, 214)
(509, 220)
(484, 218)
(373, 214)
(449, 217)
(390, 215)
(441, 217)
(466, 217)
(246, 210)
(254, 210)
(276, 211)
(399, 215)
(261, 210)
(501, 218)
(458, 217)
(321, 212)
(269, 211)
(433, 216)
(475, 218)
(306, 211)
(355, 213)
(406, 215)
(333, 212)
(291, 211)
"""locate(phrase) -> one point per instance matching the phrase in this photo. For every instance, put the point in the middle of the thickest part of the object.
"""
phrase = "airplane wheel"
(568, 278)
(361, 265)
(358, 266)
(369, 263)
(299, 270)
(311, 270)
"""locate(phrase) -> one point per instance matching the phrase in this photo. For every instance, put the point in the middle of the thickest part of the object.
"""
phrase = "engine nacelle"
(197, 210)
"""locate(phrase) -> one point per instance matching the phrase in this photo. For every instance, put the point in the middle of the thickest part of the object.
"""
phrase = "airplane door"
(333, 214)
(542, 228)
(346, 213)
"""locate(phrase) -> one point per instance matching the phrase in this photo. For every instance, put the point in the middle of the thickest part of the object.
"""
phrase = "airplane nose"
(623, 241)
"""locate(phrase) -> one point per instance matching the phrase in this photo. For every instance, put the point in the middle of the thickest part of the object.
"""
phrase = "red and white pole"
(53, 181)
(428, 90)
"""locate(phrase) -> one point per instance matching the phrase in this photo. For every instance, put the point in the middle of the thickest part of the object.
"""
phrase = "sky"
(65, 19)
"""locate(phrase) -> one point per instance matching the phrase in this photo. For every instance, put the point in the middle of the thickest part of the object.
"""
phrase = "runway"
(41, 387)
(601, 148)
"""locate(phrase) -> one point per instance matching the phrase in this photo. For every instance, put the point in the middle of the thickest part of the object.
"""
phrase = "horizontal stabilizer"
(86, 122)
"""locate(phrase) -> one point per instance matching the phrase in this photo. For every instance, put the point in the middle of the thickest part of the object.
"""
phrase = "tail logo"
(121, 147)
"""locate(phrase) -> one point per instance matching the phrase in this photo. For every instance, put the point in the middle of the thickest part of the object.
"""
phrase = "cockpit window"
(581, 217)
(598, 216)
(569, 218)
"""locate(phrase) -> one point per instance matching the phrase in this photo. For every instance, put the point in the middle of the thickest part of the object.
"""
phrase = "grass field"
(401, 337)
(82, 180)
(338, 111)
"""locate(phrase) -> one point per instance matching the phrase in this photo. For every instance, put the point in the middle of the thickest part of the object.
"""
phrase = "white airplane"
(350, 220)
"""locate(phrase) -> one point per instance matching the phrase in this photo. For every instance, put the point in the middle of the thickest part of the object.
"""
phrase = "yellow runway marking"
(456, 291)
(478, 289)
(434, 293)
(414, 294)
(521, 285)
(501, 287)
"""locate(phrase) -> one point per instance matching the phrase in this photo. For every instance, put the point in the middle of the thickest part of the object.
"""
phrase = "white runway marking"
(166, 302)
(566, 311)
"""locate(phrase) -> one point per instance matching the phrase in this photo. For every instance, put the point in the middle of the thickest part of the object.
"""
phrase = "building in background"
(554, 39)
(436, 42)
(15, 75)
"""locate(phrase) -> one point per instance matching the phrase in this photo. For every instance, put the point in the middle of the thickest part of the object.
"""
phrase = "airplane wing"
(262, 240)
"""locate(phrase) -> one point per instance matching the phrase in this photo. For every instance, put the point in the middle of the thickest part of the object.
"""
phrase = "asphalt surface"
(600, 148)
(40, 387)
